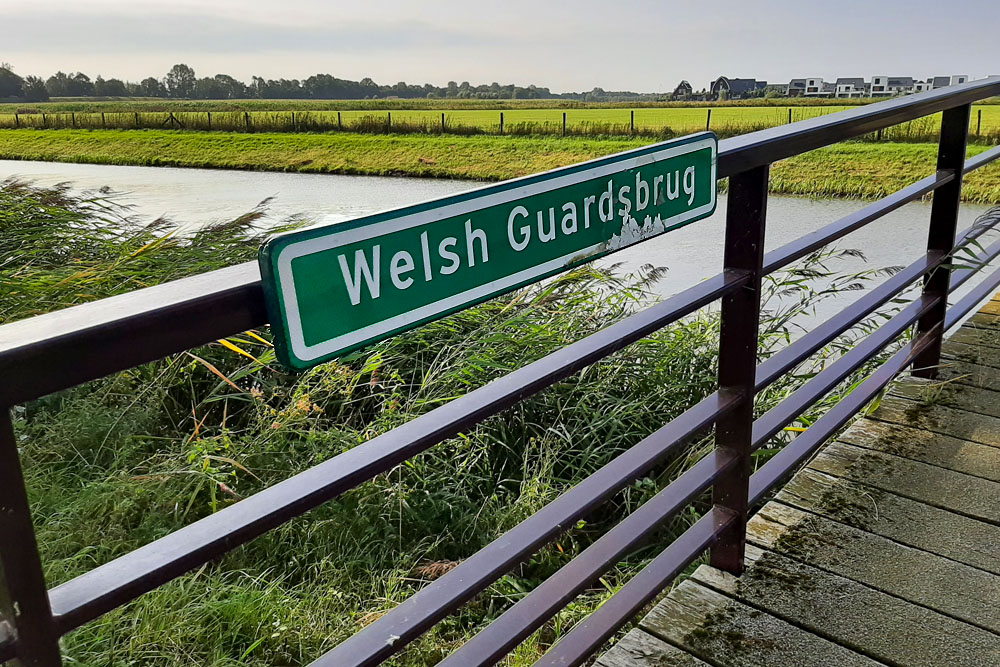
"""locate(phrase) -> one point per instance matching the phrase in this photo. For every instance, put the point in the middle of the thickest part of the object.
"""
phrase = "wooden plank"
(988, 316)
(641, 649)
(948, 394)
(991, 307)
(946, 586)
(976, 354)
(722, 631)
(969, 372)
(953, 491)
(944, 451)
(940, 419)
(976, 334)
(853, 615)
(900, 519)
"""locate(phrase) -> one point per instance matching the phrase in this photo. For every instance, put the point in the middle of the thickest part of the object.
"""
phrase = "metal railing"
(58, 350)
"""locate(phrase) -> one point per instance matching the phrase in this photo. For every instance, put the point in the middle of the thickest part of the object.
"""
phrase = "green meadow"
(855, 169)
(647, 121)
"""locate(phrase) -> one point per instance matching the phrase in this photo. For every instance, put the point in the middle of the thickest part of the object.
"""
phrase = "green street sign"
(334, 289)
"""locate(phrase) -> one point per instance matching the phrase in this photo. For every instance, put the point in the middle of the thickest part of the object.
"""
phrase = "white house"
(816, 87)
(939, 82)
(851, 87)
(885, 86)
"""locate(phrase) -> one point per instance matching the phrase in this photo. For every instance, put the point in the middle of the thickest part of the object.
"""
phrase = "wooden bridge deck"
(884, 550)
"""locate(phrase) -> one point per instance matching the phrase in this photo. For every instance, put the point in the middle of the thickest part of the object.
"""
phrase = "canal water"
(194, 197)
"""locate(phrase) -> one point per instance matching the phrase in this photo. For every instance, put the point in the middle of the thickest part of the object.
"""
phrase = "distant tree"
(151, 87)
(10, 83)
(57, 85)
(207, 89)
(110, 88)
(34, 89)
(180, 81)
(69, 85)
(230, 88)
(81, 86)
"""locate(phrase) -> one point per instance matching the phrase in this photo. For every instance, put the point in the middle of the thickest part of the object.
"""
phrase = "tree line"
(181, 82)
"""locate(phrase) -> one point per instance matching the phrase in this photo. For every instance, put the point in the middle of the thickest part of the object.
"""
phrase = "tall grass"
(116, 463)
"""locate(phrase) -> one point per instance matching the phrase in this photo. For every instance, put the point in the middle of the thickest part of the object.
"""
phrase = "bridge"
(882, 550)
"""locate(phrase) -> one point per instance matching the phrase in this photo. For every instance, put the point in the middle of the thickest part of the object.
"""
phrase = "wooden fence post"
(104, 123)
(340, 122)
(17, 121)
(789, 115)
(564, 123)
(979, 121)
(631, 122)
(442, 123)
(708, 121)
(73, 116)
(388, 121)
(43, 120)
(501, 122)
(209, 121)
(293, 121)
(246, 120)
(137, 120)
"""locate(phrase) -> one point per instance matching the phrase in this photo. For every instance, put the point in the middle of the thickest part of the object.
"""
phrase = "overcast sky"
(640, 45)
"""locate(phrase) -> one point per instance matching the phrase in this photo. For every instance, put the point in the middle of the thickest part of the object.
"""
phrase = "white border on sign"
(292, 251)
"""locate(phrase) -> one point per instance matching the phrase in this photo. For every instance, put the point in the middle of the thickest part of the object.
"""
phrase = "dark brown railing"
(55, 351)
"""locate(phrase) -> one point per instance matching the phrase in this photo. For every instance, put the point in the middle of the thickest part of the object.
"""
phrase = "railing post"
(941, 237)
(24, 600)
(744, 251)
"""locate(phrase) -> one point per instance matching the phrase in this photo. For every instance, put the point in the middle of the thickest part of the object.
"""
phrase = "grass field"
(87, 104)
(644, 121)
(853, 169)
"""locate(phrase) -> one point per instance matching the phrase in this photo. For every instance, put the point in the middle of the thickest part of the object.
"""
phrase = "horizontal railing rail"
(51, 352)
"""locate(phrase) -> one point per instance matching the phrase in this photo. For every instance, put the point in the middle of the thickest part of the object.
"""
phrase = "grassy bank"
(116, 463)
(855, 169)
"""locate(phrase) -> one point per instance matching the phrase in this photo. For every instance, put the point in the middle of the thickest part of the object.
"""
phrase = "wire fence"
(651, 123)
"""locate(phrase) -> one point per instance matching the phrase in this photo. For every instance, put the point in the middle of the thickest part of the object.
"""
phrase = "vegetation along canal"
(192, 198)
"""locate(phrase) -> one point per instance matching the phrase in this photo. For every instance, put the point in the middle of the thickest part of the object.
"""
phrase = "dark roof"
(900, 80)
(797, 83)
(855, 81)
(740, 86)
(940, 81)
